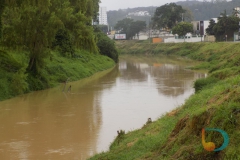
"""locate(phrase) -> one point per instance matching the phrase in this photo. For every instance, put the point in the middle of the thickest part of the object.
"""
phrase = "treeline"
(38, 27)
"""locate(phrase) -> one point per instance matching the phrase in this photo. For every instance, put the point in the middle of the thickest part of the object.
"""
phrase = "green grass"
(83, 66)
(216, 104)
(14, 80)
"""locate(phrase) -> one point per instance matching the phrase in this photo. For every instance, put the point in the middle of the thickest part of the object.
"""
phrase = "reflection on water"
(52, 124)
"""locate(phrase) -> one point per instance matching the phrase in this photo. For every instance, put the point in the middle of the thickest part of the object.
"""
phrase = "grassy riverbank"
(14, 80)
(216, 104)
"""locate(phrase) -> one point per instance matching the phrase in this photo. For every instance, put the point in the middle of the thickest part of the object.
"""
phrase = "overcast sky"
(124, 4)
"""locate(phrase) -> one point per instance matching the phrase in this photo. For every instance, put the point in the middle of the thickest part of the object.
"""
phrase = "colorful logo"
(210, 146)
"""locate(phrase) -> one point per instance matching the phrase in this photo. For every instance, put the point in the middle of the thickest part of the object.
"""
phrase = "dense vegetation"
(182, 28)
(36, 35)
(216, 104)
(105, 45)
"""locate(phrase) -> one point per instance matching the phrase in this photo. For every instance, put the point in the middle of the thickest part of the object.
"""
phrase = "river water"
(57, 124)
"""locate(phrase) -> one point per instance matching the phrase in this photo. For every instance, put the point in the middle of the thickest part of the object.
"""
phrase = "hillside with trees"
(115, 16)
(206, 10)
(201, 10)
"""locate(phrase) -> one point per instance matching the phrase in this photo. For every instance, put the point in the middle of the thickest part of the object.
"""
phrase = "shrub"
(203, 82)
(106, 45)
(37, 82)
(8, 63)
(63, 43)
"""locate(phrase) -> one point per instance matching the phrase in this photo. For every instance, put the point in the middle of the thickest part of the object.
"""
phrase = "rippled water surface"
(52, 124)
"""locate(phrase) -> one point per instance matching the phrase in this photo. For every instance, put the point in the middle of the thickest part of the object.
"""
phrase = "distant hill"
(117, 15)
(207, 10)
(202, 10)
(189, 3)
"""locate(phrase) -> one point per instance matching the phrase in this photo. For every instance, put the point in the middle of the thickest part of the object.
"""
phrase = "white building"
(139, 13)
(103, 16)
(199, 27)
(204, 25)
(237, 9)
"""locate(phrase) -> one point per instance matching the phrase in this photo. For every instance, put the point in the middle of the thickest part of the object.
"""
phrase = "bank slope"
(216, 104)
(14, 80)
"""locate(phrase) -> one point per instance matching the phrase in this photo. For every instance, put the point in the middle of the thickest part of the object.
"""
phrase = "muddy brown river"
(61, 125)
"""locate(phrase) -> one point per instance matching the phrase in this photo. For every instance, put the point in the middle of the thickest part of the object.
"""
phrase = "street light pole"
(239, 31)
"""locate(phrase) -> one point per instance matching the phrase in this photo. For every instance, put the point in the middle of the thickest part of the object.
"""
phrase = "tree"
(226, 25)
(28, 24)
(124, 25)
(136, 27)
(167, 16)
(130, 28)
(211, 25)
(63, 41)
(182, 28)
(76, 17)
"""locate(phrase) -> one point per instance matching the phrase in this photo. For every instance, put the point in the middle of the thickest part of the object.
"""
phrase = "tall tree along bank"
(36, 28)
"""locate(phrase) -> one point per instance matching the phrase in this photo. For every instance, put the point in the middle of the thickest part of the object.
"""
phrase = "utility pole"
(149, 31)
(239, 32)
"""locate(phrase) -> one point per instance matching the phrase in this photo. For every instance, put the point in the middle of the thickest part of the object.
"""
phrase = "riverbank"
(216, 104)
(14, 79)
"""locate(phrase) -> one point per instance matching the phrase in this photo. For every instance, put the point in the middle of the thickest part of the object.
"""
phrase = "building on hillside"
(103, 16)
(139, 13)
(237, 12)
